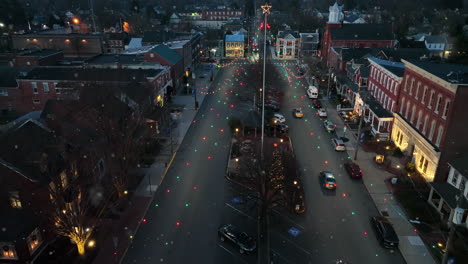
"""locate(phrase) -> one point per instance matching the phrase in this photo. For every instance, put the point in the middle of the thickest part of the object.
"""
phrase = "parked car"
(354, 171)
(297, 113)
(327, 180)
(338, 144)
(274, 107)
(316, 103)
(240, 239)
(322, 113)
(329, 126)
(279, 117)
(385, 232)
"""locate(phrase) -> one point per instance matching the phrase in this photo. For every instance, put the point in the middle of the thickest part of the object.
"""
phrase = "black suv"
(385, 232)
(231, 233)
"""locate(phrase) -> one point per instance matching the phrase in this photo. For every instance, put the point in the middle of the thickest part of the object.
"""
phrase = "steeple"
(336, 14)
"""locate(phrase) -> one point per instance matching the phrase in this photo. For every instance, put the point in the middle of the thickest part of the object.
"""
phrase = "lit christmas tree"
(277, 170)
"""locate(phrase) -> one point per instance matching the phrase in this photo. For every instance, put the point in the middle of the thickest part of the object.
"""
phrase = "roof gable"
(168, 54)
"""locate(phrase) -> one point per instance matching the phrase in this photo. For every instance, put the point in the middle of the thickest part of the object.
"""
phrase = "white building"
(287, 44)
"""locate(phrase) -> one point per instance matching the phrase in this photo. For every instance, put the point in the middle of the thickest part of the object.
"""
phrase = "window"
(446, 109)
(426, 163)
(411, 87)
(417, 90)
(423, 98)
(419, 119)
(431, 134)
(423, 163)
(406, 84)
(34, 87)
(36, 101)
(439, 135)
(413, 114)
(425, 124)
(402, 107)
(15, 201)
(3, 92)
(431, 98)
(455, 177)
(34, 240)
(407, 110)
(439, 103)
(46, 87)
(393, 106)
(8, 251)
(151, 55)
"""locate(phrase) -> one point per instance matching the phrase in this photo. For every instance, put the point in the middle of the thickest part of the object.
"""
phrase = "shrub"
(398, 153)
(410, 167)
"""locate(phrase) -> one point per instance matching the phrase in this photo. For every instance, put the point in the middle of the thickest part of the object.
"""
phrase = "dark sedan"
(232, 234)
(353, 170)
(316, 103)
(385, 232)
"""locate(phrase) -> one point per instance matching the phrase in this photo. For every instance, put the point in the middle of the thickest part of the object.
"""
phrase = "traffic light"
(268, 26)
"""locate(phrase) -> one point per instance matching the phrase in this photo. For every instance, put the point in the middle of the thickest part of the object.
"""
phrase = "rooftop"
(452, 73)
(167, 53)
(238, 37)
(11, 230)
(285, 33)
(397, 68)
(39, 53)
(116, 58)
(461, 165)
(91, 74)
(362, 32)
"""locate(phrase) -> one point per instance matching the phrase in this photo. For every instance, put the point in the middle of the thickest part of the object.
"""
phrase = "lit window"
(8, 252)
(15, 201)
(46, 87)
(34, 240)
(67, 41)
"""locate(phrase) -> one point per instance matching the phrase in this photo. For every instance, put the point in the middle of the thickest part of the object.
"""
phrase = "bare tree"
(76, 209)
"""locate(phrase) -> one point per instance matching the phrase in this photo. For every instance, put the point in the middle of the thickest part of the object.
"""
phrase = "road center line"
(239, 211)
(290, 241)
(289, 219)
(283, 258)
(230, 252)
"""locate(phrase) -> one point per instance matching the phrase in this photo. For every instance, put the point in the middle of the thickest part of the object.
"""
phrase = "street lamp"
(266, 10)
(2, 25)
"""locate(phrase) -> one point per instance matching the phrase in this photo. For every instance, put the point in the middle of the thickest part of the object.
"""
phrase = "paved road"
(195, 198)
(336, 224)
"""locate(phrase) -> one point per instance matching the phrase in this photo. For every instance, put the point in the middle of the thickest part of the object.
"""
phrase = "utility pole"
(359, 132)
(266, 11)
(91, 5)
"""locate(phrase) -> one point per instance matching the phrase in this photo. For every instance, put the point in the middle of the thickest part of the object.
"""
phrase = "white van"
(312, 92)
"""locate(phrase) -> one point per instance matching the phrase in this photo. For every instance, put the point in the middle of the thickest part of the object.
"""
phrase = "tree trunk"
(81, 248)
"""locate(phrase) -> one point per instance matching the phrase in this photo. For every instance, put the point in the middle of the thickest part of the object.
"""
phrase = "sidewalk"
(122, 230)
(411, 246)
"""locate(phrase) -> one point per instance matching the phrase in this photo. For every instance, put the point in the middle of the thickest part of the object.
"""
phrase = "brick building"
(33, 58)
(42, 84)
(73, 45)
(430, 122)
(24, 191)
(167, 57)
(384, 85)
(222, 14)
(338, 34)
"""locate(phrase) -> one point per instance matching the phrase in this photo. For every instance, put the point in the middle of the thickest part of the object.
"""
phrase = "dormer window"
(34, 240)
(15, 201)
(8, 252)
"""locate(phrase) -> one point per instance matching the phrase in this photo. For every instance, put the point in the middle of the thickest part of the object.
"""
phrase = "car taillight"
(334, 184)
(360, 170)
